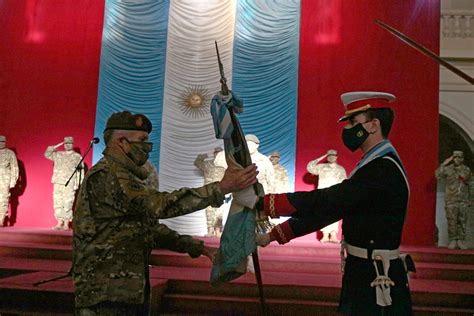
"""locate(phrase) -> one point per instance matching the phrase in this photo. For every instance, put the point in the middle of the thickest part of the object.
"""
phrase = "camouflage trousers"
(214, 218)
(63, 200)
(114, 309)
(456, 215)
(4, 196)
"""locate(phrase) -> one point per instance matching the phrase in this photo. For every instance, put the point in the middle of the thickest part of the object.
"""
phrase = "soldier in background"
(266, 174)
(212, 172)
(281, 184)
(8, 177)
(456, 197)
(65, 163)
(329, 174)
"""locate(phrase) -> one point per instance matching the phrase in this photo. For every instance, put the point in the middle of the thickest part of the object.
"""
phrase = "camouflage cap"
(68, 140)
(252, 138)
(128, 121)
(3, 138)
(458, 153)
(332, 152)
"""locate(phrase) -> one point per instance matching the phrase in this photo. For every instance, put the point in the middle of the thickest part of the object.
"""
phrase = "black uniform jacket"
(372, 204)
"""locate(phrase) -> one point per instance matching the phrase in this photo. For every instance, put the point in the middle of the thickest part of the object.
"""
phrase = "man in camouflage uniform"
(281, 184)
(456, 197)
(8, 177)
(65, 163)
(115, 221)
(212, 173)
(329, 174)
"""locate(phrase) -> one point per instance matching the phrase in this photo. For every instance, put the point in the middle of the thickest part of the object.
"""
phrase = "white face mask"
(252, 147)
(2, 145)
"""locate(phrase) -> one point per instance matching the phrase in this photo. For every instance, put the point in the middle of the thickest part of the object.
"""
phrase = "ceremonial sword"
(425, 51)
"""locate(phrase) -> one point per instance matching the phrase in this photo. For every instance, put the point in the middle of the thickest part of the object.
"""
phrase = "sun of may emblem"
(194, 101)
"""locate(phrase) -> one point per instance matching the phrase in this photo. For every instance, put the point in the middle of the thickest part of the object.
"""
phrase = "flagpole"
(258, 277)
(242, 157)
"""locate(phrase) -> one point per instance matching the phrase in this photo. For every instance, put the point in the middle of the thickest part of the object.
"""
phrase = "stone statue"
(8, 177)
(329, 174)
(281, 184)
(266, 174)
(456, 176)
(65, 163)
(212, 172)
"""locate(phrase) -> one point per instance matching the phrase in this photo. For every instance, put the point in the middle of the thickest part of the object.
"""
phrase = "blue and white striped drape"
(132, 64)
(266, 49)
(154, 52)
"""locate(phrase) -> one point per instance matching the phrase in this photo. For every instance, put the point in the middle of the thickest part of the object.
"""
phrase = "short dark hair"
(385, 116)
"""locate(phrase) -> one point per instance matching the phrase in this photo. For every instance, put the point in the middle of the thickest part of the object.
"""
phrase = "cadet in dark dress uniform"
(115, 222)
(372, 203)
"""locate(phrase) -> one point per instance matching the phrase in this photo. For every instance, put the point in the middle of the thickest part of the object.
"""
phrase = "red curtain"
(49, 61)
(342, 50)
(50, 64)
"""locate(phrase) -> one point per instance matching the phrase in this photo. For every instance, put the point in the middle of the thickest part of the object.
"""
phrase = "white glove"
(246, 197)
(250, 267)
(262, 240)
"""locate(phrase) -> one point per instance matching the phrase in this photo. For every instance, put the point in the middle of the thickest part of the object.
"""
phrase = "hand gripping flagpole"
(227, 127)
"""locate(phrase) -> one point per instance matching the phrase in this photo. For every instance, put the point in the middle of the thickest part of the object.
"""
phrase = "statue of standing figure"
(329, 174)
(281, 184)
(456, 175)
(8, 177)
(212, 172)
(266, 174)
(65, 163)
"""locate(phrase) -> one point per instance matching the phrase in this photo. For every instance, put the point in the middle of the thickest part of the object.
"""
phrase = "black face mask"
(354, 137)
(139, 152)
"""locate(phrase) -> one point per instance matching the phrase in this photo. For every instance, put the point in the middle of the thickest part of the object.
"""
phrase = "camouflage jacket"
(211, 171)
(8, 168)
(65, 163)
(329, 174)
(115, 229)
(457, 182)
(281, 184)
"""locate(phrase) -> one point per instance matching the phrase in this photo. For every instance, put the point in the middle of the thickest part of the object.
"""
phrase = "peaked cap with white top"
(360, 101)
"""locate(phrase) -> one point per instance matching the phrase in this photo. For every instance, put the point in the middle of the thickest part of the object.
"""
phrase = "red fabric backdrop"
(341, 50)
(49, 61)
